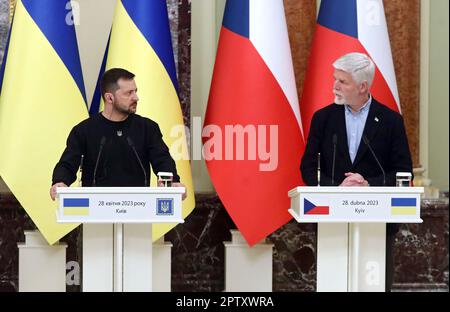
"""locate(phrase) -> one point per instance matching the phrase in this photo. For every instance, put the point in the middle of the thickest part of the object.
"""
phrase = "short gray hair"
(359, 65)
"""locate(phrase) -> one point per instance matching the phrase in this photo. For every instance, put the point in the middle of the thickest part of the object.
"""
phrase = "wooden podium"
(117, 231)
(351, 238)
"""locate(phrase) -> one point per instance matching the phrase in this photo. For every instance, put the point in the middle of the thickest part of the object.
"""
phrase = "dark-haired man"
(117, 145)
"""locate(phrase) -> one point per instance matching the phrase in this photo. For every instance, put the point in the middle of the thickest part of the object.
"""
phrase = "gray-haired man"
(338, 132)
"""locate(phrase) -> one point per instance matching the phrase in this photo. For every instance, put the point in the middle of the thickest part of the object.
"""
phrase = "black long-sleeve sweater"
(118, 164)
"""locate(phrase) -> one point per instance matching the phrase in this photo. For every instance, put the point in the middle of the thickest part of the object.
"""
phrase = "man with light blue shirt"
(344, 132)
(355, 121)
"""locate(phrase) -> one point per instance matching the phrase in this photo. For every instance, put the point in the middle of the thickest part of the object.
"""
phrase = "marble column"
(4, 29)
(4, 26)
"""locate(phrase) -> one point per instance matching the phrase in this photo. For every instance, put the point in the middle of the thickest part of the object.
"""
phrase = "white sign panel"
(119, 205)
(364, 204)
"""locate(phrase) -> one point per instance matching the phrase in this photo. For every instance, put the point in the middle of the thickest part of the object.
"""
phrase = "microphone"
(318, 169)
(334, 158)
(130, 142)
(80, 183)
(366, 141)
(102, 144)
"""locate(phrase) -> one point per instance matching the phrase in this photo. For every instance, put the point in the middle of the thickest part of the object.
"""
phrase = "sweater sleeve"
(66, 169)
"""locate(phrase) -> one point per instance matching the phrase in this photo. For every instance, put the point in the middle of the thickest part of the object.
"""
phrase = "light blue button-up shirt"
(355, 122)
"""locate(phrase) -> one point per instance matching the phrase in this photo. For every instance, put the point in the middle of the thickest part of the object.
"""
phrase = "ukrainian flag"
(140, 42)
(41, 98)
(76, 206)
(403, 206)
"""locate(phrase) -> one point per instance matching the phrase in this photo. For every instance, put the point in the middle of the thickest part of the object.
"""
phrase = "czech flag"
(141, 43)
(312, 209)
(42, 97)
(346, 26)
(252, 132)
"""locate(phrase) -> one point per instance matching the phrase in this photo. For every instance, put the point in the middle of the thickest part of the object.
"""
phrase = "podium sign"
(351, 235)
(117, 234)
(119, 205)
(356, 204)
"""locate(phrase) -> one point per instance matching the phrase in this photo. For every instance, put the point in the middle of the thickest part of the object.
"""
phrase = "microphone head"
(365, 139)
(130, 142)
(334, 138)
(103, 140)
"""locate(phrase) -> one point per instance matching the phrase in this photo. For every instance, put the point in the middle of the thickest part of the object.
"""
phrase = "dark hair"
(110, 78)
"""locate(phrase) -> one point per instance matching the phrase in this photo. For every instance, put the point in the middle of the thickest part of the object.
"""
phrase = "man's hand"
(177, 184)
(53, 189)
(354, 179)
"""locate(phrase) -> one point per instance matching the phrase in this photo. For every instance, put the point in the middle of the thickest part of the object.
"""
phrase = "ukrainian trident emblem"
(164, 206)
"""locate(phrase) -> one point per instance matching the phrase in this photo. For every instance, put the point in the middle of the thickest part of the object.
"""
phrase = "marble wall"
(180, 20)
(403, 21)
(301, 20)
(421, 250)
(4, 29)
(4, 26)
(421, 254)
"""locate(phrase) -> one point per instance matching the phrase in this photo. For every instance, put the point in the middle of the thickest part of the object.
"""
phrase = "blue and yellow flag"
(140, 42)
(76, 206)
(42, 97)
(403, 206)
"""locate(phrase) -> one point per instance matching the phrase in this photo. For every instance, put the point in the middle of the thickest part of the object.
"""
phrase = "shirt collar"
(365, 107)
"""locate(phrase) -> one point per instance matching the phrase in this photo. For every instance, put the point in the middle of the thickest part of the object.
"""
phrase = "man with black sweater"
(117, 145)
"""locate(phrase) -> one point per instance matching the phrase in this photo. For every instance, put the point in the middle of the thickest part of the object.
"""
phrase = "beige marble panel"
(301, 20)
(12, 4)
(403, 21)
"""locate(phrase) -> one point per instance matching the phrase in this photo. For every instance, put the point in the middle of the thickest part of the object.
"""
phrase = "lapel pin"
(376, 119)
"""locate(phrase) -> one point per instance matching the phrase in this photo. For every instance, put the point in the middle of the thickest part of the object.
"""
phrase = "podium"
(117, 231)
(351, 236)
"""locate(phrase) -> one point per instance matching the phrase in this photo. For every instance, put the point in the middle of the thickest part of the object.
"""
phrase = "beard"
(128, 111)
(339, 98)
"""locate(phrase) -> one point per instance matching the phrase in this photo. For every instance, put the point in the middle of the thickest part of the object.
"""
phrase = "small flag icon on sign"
(403, 206)
(311, 209)
(76, 206)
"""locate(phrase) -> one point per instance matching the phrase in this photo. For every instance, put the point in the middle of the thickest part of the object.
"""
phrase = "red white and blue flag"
(346, 26)
(311, 208)
(253, 88)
